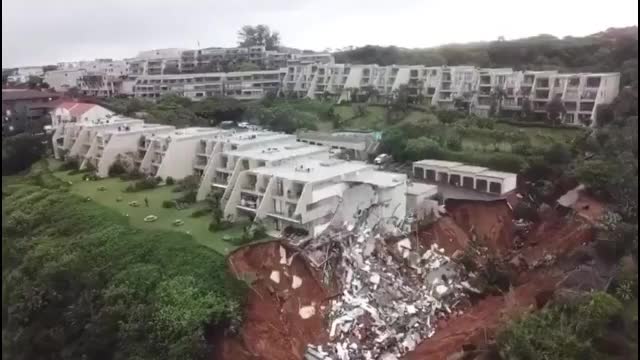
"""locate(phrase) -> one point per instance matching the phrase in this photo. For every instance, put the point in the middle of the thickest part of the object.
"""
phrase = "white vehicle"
(243, 125)
(382, 159)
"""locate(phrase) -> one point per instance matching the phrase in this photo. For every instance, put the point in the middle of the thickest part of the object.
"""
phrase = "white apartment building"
(465, 176)
(355, 145)
(172, 154)
(63, 79)
(22, 74)
(313, 194)
(74, 138)
(220, 168)
(245, 85)
(71, 111)
(125, 143)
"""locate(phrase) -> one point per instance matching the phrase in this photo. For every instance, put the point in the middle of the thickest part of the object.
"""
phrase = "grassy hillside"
(79, 282)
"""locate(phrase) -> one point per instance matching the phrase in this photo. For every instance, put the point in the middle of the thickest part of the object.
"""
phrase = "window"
(495, 188)
(481, 185)
(419, 173)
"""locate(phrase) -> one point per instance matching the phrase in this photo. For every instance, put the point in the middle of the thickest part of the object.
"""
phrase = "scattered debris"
(275, 276)
(134, 203)
(393, 291)
(178, 222)
(307, 311)
(150, 218)
(296, 282)
(102, 188)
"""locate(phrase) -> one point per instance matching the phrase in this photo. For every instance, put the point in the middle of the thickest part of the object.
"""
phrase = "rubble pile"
(393, 291)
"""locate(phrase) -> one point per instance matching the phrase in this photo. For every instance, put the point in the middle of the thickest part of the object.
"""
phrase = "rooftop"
(421, 188)
(497, 174)
(438, 163)
(314, 170)
(278, 152)
(256, 136)
(191, 132)
(470, 169)
(383, 179)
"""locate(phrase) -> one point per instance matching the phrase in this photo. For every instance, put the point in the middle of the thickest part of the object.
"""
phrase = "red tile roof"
(80, 109)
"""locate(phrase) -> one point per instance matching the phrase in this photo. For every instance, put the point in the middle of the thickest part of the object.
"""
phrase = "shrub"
(219, 226)
(200, 212)
(169, 180)
(144, 184)
(560, 331)
(71, 163)
(117, 168)
(168, 204)
(158, 180)
(189, 197)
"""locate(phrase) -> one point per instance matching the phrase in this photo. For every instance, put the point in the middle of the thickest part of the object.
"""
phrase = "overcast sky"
(38, 32)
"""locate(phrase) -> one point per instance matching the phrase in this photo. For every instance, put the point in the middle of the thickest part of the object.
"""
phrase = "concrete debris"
(306, 312)
(275, 276)
(296, 282)
(283, 256)
(394, 291)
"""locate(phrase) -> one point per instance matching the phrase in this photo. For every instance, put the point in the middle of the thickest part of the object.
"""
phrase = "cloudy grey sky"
(37, 32)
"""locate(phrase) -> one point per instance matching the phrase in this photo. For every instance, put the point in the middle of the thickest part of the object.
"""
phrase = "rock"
(275, 276)
(296, 282)
(306, 312)
(283, 256)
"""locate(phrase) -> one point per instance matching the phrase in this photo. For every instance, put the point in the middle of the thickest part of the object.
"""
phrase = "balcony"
(589, 95)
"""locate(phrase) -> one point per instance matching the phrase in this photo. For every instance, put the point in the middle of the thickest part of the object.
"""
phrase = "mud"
(273, 327)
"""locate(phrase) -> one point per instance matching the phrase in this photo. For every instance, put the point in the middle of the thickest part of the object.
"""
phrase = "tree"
(19, 152)
(555, 110)
(526, 108)
(423, 148)
(558, 154)
(246, 66)
(497, 96)
(259, 35)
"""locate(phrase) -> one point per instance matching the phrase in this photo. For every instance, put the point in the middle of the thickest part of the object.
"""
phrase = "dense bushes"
(168, 204)
(19, 152)
(562, 331)
(79, 282)
(169, 181)
(117, 168)
(144, 184)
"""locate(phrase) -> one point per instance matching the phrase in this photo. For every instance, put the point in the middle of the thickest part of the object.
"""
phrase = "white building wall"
(178, 159)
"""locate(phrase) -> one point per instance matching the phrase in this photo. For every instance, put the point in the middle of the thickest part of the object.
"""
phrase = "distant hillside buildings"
(202, 73)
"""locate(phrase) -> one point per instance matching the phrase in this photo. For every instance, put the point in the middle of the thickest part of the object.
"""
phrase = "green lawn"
(197, 227)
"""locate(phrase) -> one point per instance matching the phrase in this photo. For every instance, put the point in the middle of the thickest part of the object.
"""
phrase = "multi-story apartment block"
(126, 143)
(241, 85)
(74, 138)
(312, 194)
(353, 145)
(220, 168)
(173, 154)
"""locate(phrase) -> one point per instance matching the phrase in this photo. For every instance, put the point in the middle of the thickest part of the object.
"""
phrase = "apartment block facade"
(263, 175)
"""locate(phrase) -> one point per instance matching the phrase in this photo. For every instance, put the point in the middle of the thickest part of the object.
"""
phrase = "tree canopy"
(258, 35)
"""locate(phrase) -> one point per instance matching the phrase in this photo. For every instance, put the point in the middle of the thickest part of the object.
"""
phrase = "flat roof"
(380, 178)
(191, 131)
(313, 170)
(470, 169)
(497, 174)
(256, 136)
(438, 163)
(278, 152)
(415, 188)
